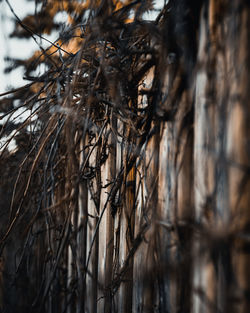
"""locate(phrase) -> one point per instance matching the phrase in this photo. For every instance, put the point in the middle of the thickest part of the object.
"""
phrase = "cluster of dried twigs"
(81, 108)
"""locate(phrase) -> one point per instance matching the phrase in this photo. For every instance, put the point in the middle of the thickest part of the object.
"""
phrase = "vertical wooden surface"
(109, 260)
(82, 233)
(221, 156)
(174, 237)
(126, 231)
(238, 132)
(92, 248)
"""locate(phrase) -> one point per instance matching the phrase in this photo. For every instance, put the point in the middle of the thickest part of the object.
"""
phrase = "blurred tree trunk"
(222, 157)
